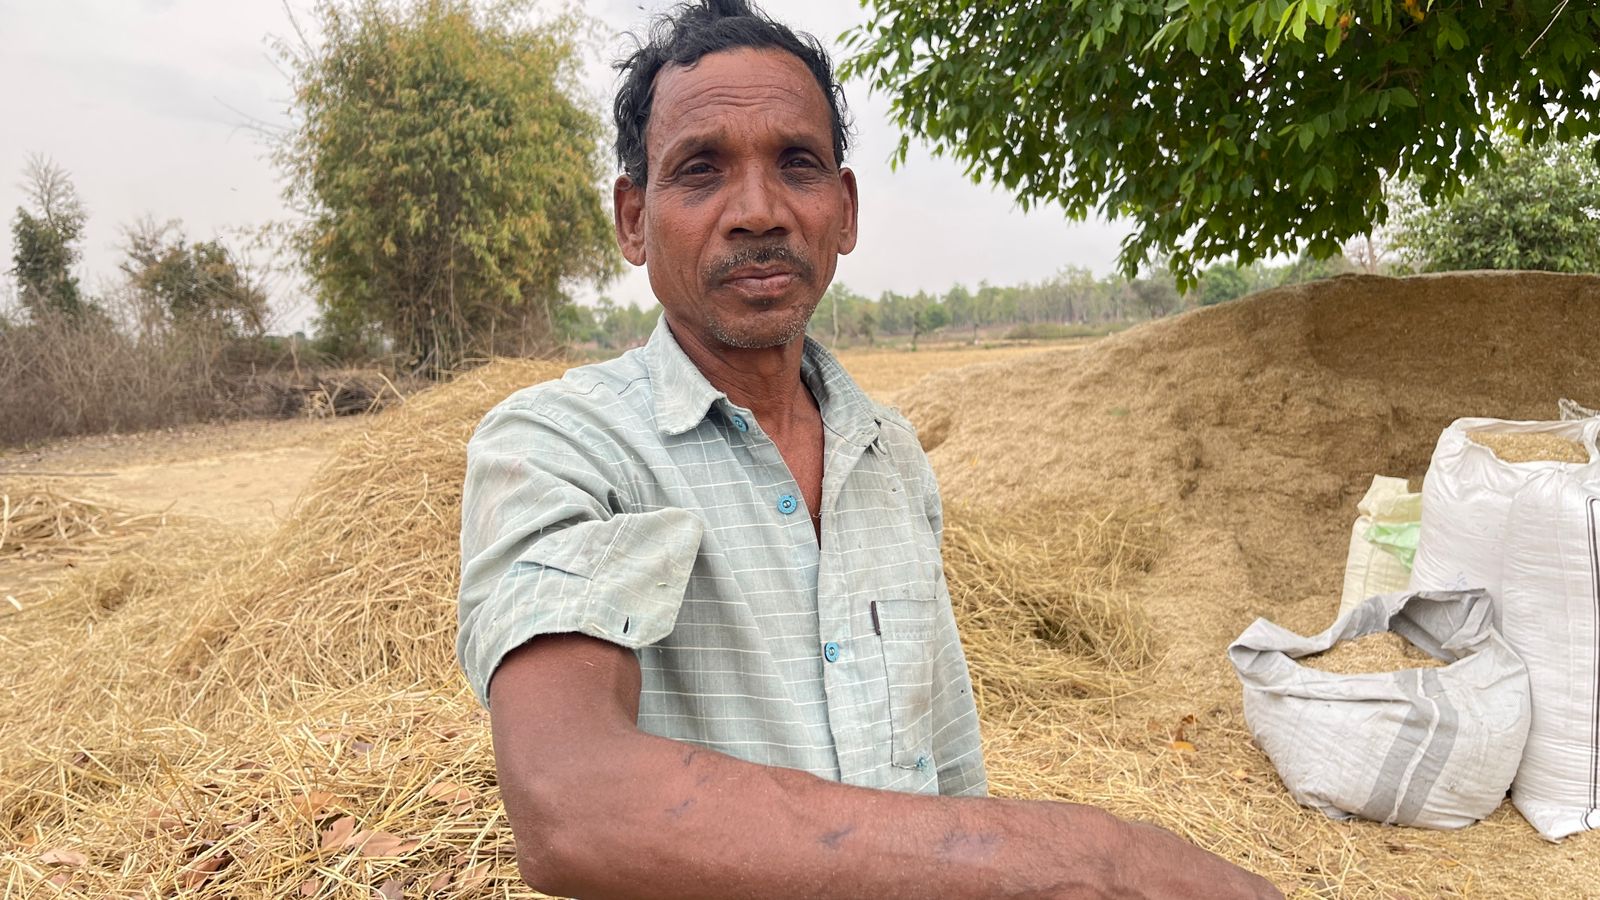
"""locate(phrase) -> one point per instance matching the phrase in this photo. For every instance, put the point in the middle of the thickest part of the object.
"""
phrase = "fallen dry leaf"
(313, 805)
(472, 876)
(1182, 746)
(382, 843)
(459, 798)
(338, 835)
(392, 889)
(197, 871)
(59, 857)
(439, 882)
(310, 887)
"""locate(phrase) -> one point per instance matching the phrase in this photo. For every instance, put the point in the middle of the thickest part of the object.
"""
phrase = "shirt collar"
(683, 396)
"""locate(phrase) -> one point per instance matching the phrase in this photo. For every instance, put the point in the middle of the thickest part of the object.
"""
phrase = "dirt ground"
(246, 476)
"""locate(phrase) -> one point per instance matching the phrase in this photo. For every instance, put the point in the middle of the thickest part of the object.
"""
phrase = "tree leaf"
(60, 857)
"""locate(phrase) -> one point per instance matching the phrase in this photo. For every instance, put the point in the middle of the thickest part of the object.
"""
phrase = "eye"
(698, 167)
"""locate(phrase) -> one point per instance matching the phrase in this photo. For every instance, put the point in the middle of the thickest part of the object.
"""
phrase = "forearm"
(704, 825)
(600, 809)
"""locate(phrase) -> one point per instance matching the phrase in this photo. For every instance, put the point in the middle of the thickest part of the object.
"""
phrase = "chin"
(761, 332)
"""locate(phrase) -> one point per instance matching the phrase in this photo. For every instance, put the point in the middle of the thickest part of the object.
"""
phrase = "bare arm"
(600, 809)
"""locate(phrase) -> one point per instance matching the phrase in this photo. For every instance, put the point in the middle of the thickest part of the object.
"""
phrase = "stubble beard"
(762, 330)
(777, 331)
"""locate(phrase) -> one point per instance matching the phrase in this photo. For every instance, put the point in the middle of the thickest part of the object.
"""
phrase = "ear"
(847, 235)
(627, 209)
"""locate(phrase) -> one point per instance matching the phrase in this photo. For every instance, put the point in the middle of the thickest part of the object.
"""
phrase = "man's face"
(745, 211)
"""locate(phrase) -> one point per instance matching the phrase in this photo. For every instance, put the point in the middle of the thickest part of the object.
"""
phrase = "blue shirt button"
(830, 651)
(787, 504)
(922, 762)
(740, 424)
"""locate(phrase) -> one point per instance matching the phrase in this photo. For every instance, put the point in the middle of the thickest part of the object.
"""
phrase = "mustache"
(761, 256)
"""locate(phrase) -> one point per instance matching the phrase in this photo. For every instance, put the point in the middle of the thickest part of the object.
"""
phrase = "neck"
(765, 381)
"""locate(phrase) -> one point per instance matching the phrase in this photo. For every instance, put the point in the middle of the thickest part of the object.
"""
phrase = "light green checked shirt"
(632, 502)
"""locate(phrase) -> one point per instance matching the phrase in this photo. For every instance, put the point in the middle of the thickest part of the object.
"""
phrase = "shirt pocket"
(908, 630)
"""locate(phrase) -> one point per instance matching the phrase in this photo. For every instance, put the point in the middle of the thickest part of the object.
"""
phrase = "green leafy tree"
(927, 316)
(1538, 209)
(45, 242)
(449, 175)
(838, 314)
(621, 327)
(1239, 129)
(192, 284)
(1221, 282)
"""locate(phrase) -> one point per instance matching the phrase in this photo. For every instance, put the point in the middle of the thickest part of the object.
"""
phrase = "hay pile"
(1255, 427)
(37, 523)
(266, 722)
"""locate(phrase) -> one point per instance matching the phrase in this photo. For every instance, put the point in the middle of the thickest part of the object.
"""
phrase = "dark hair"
(692, 30)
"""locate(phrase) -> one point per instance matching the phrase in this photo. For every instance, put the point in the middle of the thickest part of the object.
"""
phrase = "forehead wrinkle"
(720, 103)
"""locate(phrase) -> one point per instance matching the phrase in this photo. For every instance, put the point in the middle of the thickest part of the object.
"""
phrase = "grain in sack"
(1467, 494)
(1429, 747)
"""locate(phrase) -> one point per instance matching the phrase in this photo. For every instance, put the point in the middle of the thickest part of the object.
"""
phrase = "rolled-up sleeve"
(551, 543)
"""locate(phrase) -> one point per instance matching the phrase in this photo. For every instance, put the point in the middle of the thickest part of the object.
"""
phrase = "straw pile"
(1382, 651)
(277, 721)
(1517, 448)
(39, 523)
(1254, 428)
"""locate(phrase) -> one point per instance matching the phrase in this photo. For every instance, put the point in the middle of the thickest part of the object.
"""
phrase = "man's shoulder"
(611, 391)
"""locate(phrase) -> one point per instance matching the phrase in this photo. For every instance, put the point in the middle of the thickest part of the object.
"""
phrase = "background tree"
(1538, 209)
(1239, 129)
(620, 327)
(838, 314)
(449, 175)
(200, 285)
(45, 241)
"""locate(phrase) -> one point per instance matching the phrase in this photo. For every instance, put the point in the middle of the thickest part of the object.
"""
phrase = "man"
(704, 578)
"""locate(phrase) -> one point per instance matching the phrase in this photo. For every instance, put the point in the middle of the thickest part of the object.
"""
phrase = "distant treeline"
(1073, 302)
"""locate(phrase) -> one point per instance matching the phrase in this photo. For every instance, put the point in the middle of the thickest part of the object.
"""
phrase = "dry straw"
(37, 522)
(286, 720)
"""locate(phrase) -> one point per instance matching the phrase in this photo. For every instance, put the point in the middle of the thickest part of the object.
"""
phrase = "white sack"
(1549, 614)
(1368, 568)
(1435, 748)
(1466, 498)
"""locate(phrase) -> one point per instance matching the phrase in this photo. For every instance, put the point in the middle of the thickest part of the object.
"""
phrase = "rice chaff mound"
(1254, 427)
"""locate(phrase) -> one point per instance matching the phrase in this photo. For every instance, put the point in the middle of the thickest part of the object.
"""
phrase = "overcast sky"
(155, 108)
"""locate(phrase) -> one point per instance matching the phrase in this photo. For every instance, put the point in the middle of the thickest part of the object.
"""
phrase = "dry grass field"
(220, 712)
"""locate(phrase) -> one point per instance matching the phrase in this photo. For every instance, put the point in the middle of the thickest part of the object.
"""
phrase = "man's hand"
(601, 809)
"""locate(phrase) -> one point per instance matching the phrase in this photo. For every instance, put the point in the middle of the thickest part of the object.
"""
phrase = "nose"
(757, 204)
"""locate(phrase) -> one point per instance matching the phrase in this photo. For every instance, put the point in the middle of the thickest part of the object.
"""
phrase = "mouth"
(760, 281)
